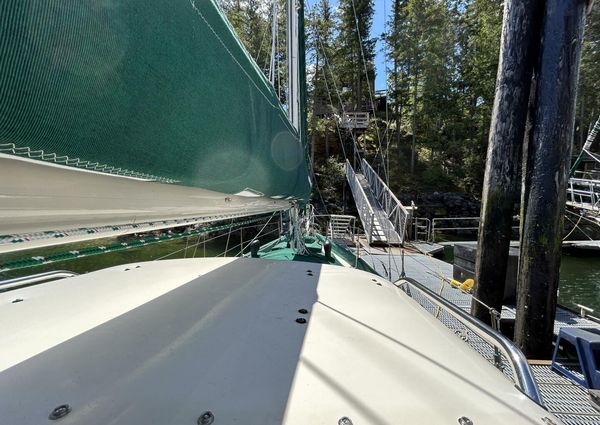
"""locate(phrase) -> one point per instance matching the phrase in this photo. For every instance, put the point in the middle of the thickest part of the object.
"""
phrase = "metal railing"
(471, 224)
(584, 193)
(365, 211)
(342, 227)
(396, 213)
(422, 228)
(521, 372)
(23, 281)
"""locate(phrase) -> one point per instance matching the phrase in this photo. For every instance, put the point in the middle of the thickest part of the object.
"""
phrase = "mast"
(292, 59)
(296, 65)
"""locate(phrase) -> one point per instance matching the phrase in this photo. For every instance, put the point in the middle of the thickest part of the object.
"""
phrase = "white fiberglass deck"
(563, 397)
(163, 342)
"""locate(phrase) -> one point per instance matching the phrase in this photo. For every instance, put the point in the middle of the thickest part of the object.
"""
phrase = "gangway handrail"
(371, 171)
(582, 193)
(362, 200)
(521, 370)
(390, 203)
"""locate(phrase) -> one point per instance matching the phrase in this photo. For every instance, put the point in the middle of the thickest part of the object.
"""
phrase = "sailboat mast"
(292, 59)
(296, 64)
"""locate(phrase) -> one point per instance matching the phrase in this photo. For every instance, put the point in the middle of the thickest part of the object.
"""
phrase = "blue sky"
(382, 11)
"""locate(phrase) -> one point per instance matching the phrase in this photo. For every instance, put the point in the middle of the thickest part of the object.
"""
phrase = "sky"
(382, 11)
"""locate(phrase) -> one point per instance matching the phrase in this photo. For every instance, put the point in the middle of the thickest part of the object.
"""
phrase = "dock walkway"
(563, 397)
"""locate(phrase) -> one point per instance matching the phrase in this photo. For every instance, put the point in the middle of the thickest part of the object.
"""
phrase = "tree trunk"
(398, 108)
(313, 138)
(520, 36)
(413, 146)
(549, 153)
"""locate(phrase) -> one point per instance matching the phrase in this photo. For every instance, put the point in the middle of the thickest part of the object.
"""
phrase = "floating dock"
(563, 397)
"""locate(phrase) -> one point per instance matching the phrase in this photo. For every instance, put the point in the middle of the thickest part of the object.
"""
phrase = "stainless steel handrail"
(520, 368)
(395, 211)
(19, 282)
(365, 211)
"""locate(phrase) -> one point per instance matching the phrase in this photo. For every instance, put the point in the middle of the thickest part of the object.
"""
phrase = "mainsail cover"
(161, 91)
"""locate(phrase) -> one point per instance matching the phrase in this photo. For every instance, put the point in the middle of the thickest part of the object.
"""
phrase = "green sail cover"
(149, 88)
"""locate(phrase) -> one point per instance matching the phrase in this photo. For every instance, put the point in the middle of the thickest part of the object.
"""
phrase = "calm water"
(579, 280)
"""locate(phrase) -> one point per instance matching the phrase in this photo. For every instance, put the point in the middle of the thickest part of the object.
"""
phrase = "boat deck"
(563, 397)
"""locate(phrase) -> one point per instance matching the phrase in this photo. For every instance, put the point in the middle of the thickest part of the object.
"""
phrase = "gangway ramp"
(383, 217)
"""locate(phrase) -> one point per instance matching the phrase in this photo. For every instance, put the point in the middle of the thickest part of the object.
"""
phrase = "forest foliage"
(429, 129)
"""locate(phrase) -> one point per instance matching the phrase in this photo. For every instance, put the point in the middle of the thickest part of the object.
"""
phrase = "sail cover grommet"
(303, 311)
(301, 320)
(465, 421)
(206, 418)
(59, 412)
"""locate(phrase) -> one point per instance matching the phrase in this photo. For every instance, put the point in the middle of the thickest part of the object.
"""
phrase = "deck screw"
(345, 421)
(465, 421)
(303, 311)
(59, 412)
(206, 418)
(301, 320)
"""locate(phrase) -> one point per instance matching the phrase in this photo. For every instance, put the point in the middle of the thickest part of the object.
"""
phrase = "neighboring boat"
(121, 117)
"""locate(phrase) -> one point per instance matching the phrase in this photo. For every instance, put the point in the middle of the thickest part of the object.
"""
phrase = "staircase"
(341, 227)
(383, 217)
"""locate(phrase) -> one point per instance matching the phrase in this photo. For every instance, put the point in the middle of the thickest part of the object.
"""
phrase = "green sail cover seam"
(26, 151)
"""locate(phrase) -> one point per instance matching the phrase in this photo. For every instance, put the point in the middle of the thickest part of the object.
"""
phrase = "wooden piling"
(520, 37)
(548, 157)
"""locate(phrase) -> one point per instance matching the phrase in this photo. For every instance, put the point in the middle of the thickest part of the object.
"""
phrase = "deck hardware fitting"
(303, 311)
(345, 421)
(301, 320)
(17, 300)
(206, 418)
(465, 421)
(59, 412)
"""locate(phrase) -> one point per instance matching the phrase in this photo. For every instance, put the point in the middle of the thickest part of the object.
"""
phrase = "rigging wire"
(312, 167)
(204, 241)
(229, 235)
(260, 46)
(274, 30)
(259, 232)
(352, 135)
(362, 53)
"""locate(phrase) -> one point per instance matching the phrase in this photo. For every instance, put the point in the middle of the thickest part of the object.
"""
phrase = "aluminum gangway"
(382, 215)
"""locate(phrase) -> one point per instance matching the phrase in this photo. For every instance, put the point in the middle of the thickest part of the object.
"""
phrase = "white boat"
(198, 341)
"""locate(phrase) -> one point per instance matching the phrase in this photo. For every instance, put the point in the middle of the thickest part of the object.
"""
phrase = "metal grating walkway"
(375, 221)
(566, 399)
